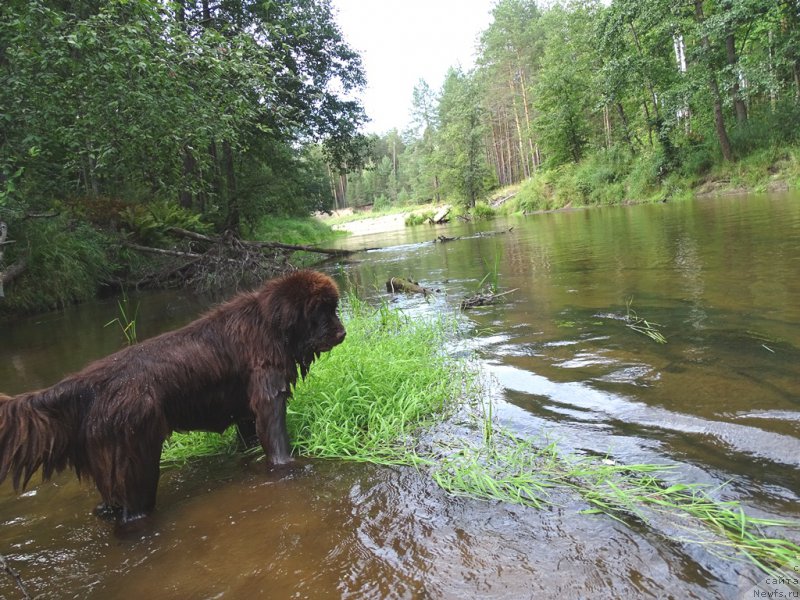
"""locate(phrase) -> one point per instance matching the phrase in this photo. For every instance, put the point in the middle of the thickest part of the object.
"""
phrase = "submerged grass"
(372, 397)
(527, 472)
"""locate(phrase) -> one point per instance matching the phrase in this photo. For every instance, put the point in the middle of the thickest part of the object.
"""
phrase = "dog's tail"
(41, 430)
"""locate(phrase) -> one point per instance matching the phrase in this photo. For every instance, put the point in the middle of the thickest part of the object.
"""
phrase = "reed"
(126, 320)
(643, 326)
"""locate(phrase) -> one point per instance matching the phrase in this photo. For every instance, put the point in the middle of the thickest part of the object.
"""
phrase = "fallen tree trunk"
(483, 299)
(279, 245)
(441, 215)
(162, 251)
(399, 284)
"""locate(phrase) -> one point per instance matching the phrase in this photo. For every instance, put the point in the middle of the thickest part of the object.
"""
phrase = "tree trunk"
(498, 157)
(626, 130)
(523, 84)
(650, 87)
(713, 86)
(343, 189)
(185, 198)
(233, 220)
(509, 153)
(520, 141)
(738, 104)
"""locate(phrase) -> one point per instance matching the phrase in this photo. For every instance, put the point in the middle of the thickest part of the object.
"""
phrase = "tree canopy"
(659, 86)
(206, 103)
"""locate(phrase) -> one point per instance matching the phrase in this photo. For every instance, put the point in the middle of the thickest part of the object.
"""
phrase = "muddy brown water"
(720, 401)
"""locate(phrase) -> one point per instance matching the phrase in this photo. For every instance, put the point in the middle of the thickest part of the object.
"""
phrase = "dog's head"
(302, 309)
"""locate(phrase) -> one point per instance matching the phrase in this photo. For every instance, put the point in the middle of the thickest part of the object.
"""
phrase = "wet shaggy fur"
(234, 365)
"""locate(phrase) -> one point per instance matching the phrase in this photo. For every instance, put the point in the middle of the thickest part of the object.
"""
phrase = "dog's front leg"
(269, 392)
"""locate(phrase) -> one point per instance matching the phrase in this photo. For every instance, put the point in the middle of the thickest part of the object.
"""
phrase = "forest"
(122, 118)
(592, 102)
(121, 121)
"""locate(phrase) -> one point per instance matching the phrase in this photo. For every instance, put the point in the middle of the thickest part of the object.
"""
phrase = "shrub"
(66, 262)
(418, 218)
(481, 210)
(382, 203)
(534, 194)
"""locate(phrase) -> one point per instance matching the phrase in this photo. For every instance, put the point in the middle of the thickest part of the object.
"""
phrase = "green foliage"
(382, 203)
(418, 218)
(482, 210)
(465, 173)
(149, 224)
(145, 99)
(535, 194)
(277, 179)
(66, 263)
(614, 101)
(767, 128)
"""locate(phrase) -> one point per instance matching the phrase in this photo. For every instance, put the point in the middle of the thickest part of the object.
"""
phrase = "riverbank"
(603, 180)
(368, 223)
(608, 178)
(66, 259)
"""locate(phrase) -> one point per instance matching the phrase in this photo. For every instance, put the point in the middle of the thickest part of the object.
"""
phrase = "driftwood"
(278, 245)
(14, 575)
(441, 215)
(442, 239)
(502, 200)
(219, 262)
(483, 299)
(490, 233)
(398, 284)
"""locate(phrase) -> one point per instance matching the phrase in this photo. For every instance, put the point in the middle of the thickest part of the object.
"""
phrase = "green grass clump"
(181, 447)
(482, 210)
(366, 398)
(66, 263)
(304, 231)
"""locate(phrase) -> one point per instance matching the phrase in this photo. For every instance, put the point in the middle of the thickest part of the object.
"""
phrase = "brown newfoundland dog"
(236, 364)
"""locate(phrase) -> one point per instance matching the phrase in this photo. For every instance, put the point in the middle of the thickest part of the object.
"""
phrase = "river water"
(720, 401)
